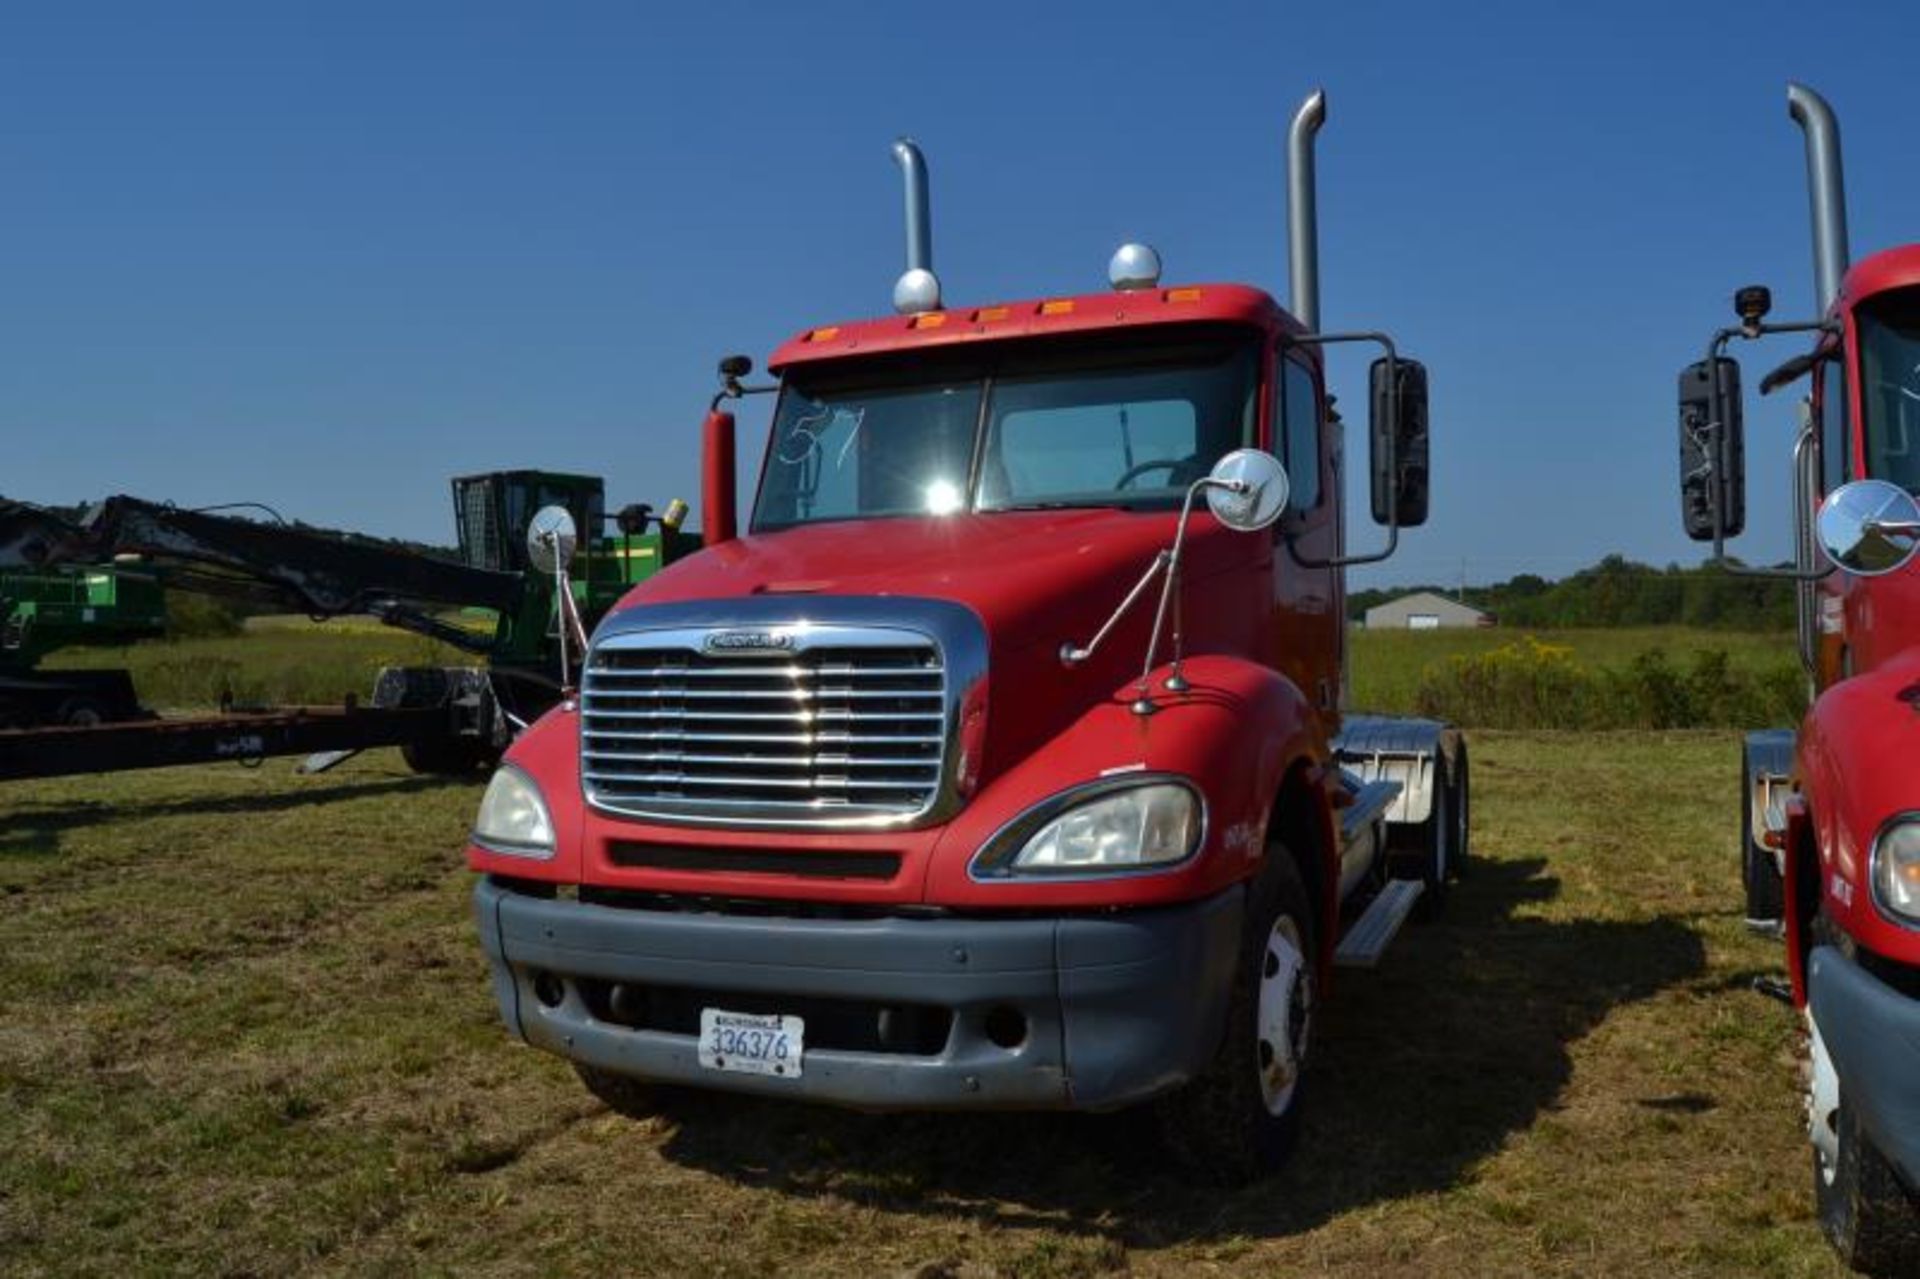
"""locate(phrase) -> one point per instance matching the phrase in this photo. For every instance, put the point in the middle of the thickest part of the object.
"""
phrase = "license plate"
(751, 1043)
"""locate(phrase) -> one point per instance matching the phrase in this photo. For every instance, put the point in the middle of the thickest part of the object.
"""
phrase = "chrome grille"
(846, 726)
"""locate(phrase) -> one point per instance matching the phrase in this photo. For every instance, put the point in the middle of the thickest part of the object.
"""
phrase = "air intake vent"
(807, 863)
(813, 726)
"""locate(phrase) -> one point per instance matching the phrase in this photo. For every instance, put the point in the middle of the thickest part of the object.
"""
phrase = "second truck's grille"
(850, 729)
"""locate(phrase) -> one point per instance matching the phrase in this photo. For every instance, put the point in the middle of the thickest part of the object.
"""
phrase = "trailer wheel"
(82, 712)
(445, 756)
(1238, 1120)
(1759, 873)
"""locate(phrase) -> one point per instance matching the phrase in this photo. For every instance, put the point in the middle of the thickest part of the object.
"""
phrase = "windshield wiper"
(1064, 506)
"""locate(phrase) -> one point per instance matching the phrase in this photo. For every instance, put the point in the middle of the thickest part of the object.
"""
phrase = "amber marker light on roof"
(824, 335)
(929, 320)
(988, 314)
(1183, 295)
(1057, 306)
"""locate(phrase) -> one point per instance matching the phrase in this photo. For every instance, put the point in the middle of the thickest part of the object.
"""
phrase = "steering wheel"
(1171, 465)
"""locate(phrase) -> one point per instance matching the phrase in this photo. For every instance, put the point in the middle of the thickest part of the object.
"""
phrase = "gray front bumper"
(1119, 1007)
(1872, 1032)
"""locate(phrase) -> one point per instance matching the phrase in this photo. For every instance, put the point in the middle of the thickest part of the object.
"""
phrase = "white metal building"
(1424, 611)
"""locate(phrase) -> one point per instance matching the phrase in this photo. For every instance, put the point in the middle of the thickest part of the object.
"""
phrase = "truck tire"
(623, 1094)
(1461, 776)
(1238, 1120)
(1759, 873)
(1437, 839)
(637, 1099)
(1870, 1219)
(1866, 1214)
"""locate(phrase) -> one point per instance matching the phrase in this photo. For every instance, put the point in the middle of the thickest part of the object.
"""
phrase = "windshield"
(1115, 426)
(1890, 386)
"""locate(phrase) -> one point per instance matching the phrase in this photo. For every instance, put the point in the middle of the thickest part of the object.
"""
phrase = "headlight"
(1100, 829)
(1896, 866)
(513, 817)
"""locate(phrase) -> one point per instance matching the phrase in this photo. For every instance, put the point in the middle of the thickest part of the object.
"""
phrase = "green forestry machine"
(41, 613)
(445, 719)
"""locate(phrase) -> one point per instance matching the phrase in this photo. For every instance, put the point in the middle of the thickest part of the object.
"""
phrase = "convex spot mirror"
(1397, 430)
(1709, 407)
(551, 539)
(1869, 527)
(1249, 490)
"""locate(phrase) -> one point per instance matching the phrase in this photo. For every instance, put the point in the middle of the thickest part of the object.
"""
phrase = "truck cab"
(998, 761)
(1830, 813)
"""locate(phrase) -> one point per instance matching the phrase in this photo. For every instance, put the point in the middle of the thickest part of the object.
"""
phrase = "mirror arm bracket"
(735, 391)
(1166, 565)
(1393, 445)
(1715, 349)
(1072, 654)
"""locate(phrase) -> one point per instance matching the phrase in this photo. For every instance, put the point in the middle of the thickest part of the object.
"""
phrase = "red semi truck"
(1830, 816)
(1000, 762)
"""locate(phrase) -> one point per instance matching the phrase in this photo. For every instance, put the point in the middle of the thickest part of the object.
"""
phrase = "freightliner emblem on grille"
(748, 643)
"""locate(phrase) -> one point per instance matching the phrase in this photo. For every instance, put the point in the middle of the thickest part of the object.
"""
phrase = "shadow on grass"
(32, 829)
(1423, 1067)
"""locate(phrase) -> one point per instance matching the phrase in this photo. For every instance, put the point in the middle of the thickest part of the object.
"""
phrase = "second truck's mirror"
(1709, 407)
(1400, 404)
(1869, 527)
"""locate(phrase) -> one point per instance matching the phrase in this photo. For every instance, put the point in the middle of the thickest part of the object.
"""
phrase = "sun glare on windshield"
(943, 497)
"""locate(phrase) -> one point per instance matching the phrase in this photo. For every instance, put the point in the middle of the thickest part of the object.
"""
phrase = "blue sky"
(325, 256)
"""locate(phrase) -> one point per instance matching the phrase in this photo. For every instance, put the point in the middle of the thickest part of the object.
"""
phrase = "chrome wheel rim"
(1283, 1016)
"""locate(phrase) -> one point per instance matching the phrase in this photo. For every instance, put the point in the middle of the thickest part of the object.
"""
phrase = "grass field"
(278, 661)
(1388, 665)
(245, 1030)
(291, 660)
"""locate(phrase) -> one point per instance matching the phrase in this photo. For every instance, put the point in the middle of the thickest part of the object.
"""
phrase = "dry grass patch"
(245, 1029)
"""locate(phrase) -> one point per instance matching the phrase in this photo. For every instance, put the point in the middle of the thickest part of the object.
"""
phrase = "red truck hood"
(1033, 577)
(1036, 579)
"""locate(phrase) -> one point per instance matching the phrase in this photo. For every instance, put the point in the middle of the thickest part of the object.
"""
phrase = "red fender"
(1235, 734)
(1852, 734)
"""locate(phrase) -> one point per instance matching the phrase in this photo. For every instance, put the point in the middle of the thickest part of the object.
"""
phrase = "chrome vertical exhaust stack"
(1303, 215)
(917, 289)
(1826, 190)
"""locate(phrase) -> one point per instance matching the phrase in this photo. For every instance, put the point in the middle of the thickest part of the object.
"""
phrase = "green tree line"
(1619, 592)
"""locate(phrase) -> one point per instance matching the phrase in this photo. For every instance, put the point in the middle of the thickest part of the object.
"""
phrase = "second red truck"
(1830, 815)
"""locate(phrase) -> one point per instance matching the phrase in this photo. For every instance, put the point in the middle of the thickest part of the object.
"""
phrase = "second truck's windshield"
(1116, 426)
(1890, 386)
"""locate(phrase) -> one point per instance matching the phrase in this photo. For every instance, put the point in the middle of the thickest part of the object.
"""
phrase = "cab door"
(1835, 449)
(1309, 625)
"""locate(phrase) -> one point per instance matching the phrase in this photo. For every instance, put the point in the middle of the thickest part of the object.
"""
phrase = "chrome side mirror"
(1869, 527)
(551, 539)
(1247, 490)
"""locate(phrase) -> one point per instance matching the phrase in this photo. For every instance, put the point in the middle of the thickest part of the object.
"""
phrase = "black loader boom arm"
(300, 569)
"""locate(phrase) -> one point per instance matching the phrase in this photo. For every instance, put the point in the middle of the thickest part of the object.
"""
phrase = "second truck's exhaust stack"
(1826, 190)
(1303, 216)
